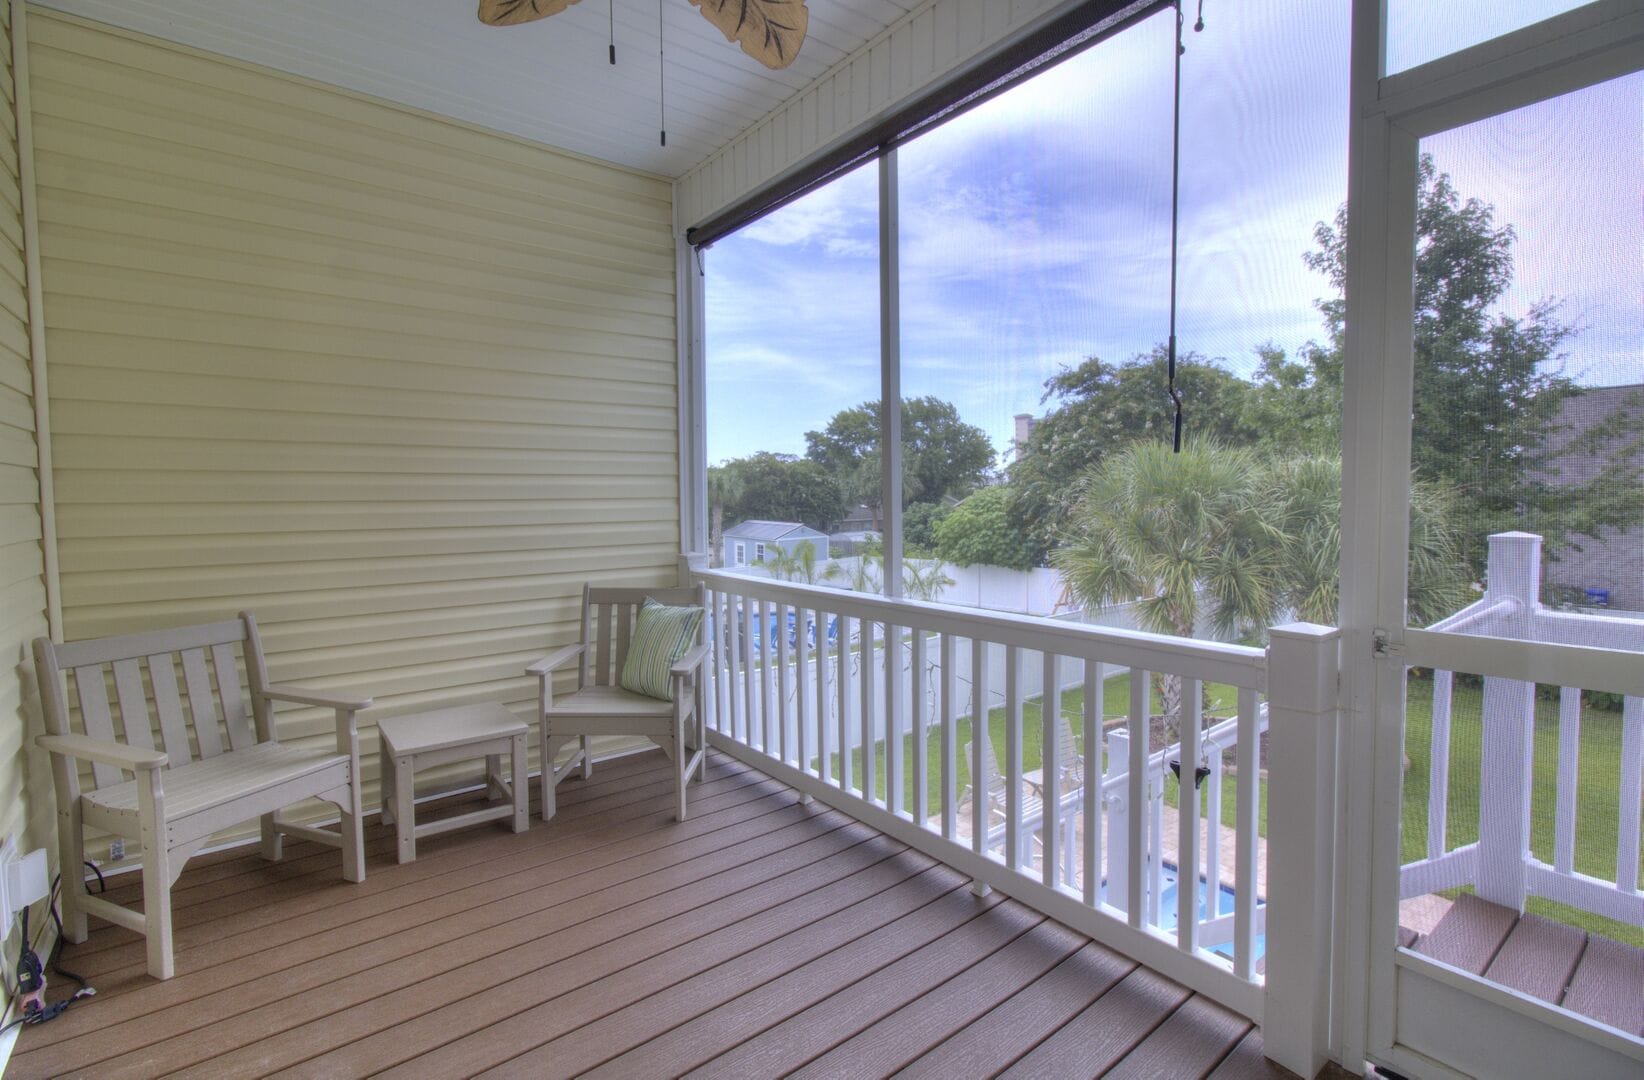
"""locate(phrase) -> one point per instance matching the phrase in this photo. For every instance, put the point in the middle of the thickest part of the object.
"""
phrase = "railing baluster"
(767, 647)
(870, 754)
(1093, 780)
(783, 679)
(824, 663)
(1013, 758)
(917, 707)
(949, 720)
(749, 720)
(1632, 794)
(1137, 800)
(1050, 768)
(1438, 775)
(1187, 818)
(720, 602)
(801, 687)
(734, 643)
(894, 718)
(1569, 778)
(979, 793)
(844, 674)
(1247, 818)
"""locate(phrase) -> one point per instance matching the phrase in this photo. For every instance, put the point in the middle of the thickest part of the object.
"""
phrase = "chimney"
(1024, 432)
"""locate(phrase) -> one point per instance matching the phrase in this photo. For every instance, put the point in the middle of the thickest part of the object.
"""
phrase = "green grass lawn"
(1598, 801)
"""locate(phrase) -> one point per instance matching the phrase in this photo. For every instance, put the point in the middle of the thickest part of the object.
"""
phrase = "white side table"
(423, 740)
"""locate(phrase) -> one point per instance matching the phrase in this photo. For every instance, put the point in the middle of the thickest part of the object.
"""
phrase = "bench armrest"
(555, 660)
(687, 665)
(302, 695)
(104, 752)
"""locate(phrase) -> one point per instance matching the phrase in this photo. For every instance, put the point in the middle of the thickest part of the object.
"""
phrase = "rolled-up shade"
(993, 73)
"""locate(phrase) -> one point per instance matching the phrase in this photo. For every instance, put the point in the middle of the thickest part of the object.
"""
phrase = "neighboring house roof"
(1580, 412)
(774, 530)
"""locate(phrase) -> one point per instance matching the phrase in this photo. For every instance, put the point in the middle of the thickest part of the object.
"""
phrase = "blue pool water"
(1224, 906)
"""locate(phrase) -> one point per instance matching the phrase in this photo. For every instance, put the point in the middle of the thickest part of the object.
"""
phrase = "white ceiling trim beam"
(918, 51)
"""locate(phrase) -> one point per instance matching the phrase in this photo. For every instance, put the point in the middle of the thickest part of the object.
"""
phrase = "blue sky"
(1035, 229)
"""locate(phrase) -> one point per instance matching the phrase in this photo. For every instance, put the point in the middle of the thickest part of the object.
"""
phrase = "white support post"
(1514, 574)
(1302, 667)
(1118, 821)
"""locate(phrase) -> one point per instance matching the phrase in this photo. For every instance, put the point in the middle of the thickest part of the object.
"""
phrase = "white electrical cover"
(22, 882)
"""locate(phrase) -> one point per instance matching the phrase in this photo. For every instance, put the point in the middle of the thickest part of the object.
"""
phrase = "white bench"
(221, 765)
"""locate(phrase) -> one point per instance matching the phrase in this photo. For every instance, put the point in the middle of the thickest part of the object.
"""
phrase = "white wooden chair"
(600, 706)
(219, 766)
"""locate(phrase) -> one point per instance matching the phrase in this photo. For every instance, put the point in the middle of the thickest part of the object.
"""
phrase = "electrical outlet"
(116, 849)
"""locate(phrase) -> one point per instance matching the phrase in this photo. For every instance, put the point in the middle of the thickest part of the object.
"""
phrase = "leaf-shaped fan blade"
(513, 12)
(770, 31)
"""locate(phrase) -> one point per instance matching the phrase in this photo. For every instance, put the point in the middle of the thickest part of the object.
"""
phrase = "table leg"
(405, 819)
(387, 795)
(521, 786)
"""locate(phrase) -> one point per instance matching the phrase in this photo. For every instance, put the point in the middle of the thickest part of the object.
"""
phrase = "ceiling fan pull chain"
(661, 76)
(610, 12)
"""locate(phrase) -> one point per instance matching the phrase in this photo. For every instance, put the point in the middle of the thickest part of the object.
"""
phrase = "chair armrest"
(556, 659)
(688, 663)
(302, 695)
(104, 752)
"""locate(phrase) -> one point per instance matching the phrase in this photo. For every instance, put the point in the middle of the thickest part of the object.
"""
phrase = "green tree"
(982, 531)
(1103, 407)
(780, 487)
(919, 523)
(1487, 387)
(941, 454)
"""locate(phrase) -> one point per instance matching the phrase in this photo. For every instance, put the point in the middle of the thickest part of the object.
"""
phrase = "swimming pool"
(1224, 906)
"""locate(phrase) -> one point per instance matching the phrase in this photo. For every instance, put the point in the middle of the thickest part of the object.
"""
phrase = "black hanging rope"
(661, 73)
(1175, 216)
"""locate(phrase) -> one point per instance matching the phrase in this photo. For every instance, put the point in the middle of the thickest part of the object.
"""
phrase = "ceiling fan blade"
(770, 31)
(514, 12)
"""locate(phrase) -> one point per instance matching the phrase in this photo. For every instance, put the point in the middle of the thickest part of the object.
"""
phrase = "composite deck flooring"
(1562, 965)
(762, 937)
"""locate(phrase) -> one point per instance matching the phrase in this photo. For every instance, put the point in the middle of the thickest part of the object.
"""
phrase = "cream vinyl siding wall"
(25, 811)
(397, 385)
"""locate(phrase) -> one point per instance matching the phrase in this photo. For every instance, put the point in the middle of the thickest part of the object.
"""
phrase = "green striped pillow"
(662, 634)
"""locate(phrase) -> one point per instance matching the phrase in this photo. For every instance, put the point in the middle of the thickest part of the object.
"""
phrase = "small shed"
(754, 541)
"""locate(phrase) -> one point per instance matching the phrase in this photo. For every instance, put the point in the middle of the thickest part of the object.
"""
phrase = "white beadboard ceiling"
(549, 81)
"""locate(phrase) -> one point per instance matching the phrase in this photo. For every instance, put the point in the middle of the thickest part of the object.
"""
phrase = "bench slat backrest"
(608, 616)
(216, 701)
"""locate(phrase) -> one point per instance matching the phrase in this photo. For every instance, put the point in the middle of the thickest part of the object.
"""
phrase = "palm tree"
(1307, 494)
(798, 565)
(1164, 529)
(924, 580)
(1253, 537)
(724, 486)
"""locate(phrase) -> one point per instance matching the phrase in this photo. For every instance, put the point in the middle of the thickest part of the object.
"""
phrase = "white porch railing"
(839, 694)
(1500, 864)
